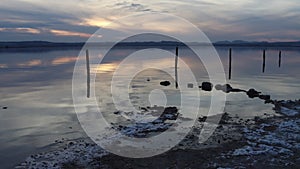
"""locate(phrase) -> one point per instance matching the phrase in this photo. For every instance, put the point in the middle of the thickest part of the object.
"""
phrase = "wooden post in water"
(230, 52)
(176, 65)
(279, 61)
(264, 61)
(88, 73)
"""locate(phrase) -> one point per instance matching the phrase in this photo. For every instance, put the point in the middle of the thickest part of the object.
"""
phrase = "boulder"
(206, 86)
(253, 93)
(265, 97)
(225, 88)
(190, 85)
(165, 83)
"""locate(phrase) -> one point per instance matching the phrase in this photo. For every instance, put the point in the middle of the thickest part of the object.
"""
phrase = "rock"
(190, 85)
(170, 113)
(144, 109)
(202, 119)
(265, 97)
(252, 93)
(117, 112)
(238, 90)
(206, 86)
(227, 88)
(4, 108)
(160, 124)
(71, 143)
(165, 83)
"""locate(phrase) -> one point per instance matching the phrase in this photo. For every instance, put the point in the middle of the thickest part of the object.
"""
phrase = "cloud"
(132, 6)
(63, 60)
(69, 33)
(21, 30)
(227, 19)
(3, 66)
(104, 68)
(55, 32)
(31, 63)
(52, 23)
(96, 21)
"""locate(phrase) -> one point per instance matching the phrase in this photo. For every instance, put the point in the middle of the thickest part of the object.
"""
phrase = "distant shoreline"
(45, 44)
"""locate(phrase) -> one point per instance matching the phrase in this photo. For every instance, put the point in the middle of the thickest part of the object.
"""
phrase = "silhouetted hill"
(45, 44)
(259, 44)
(32, 44)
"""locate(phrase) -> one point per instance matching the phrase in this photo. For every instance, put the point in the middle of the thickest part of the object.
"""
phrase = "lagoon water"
(36, 88)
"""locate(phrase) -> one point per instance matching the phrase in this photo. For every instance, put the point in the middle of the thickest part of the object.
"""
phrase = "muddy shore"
(272, 142)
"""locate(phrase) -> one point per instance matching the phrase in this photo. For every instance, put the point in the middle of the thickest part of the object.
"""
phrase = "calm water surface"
(36, 86)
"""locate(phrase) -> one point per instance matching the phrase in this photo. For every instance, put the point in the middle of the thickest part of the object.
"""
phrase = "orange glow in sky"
(63, 60)
(69, 33)
(36, 62)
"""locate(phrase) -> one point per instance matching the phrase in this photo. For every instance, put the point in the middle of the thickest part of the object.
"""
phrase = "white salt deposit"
(78, 153)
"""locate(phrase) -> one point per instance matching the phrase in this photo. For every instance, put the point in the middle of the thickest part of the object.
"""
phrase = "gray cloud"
(131, 6)
(221, 20)
(11, 19)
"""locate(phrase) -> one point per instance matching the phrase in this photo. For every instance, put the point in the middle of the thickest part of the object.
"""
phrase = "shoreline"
(259, 142)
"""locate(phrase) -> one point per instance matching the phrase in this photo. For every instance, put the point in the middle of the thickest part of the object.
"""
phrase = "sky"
(77, 20)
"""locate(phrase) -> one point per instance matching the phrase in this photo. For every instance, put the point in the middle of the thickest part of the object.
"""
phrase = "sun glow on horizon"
(69, 33)
(63, 60)
(97, 21)
(104, 67)
(31, 63)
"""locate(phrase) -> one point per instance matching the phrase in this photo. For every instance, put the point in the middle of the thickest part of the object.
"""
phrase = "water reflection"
(36, 88)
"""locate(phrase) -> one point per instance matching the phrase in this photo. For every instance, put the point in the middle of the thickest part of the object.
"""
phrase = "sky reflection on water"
(37, 89)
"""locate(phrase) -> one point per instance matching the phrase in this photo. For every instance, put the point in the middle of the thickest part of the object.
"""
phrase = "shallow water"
(36, 86)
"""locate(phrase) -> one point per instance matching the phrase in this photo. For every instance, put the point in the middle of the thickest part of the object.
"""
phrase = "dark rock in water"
(269, 101)
(206, 86)
(117, 112)
(144, 109)
(253, 93)
(227, 88)
(148, 79)
(190, 85)
(238, 90)
(4, 108)
(202, 119)
(165, 83)
(265, 97)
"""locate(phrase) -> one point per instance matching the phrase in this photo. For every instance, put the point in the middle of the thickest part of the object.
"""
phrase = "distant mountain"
(31, 44)
(262, 44)
(45, 44)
